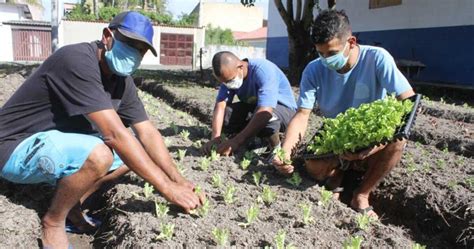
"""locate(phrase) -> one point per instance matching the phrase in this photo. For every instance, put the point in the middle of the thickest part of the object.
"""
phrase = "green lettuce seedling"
(418, 246)
(167, 231)
(295, 179)
(161, 209)
(326, 196)
(221, 236)
(268, 196)
(245, 163)
(214, 155)
(181, 155)
(148, 190)
(306, 209)
(257, 176)
(184, 134)
(216, 180)
(252, 215)
(363, 221)
(204, 164)
(229, 194)
(280, 242)
(353, 242)
(281, 155)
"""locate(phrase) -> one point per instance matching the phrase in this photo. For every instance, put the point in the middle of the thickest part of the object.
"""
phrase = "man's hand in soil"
(285, 169)
(183, 196)
(207, 147)
(363, 154)
(228, 147)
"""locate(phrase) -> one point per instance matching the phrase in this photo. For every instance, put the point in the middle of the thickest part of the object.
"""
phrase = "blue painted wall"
(447, 52)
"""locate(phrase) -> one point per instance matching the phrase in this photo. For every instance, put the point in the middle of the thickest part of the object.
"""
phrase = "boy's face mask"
(235, 83)
(122, 59)
(337, 61)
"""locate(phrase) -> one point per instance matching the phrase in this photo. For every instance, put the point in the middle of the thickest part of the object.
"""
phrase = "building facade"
(437, 33)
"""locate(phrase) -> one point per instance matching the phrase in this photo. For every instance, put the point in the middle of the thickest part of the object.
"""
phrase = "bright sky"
(176, 7)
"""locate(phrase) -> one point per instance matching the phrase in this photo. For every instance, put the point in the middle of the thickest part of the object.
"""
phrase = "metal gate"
(31, 44)
(176, 49)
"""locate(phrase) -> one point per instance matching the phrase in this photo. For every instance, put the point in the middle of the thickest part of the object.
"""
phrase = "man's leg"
(379, 165)
(281, 117)
(112, 176)
(237, 115)
(68, 193)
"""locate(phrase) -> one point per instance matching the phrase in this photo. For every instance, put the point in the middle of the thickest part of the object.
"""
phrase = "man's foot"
(80, 222)
(360, 203)
(53, 235)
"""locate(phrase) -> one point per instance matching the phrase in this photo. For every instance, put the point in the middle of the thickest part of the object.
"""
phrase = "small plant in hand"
(353, 242)
(148, 190)
(362, 127)
(161, 209)
(268, 196)
(245, 163)
(181, 155)
(214, 155)
(306, 209)
(184, 134)
(221, 236)
(363, 221)
(281, 155)
(167, 231)
(204, 164)
(326, 197)
(229, 194)
(203, 210)
(216, 180)
(295, 180)
(280, 240)
(252, 215)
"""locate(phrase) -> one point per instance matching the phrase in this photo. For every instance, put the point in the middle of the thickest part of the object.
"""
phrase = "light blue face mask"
(123, 59)
(335, 62)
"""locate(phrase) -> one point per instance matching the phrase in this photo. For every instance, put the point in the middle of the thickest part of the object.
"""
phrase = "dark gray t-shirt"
(68, 85)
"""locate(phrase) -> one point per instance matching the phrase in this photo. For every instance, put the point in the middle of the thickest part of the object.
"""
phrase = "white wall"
(74, 32)
(410, 14)
(6, 44)
(9, 13)
(241, 52)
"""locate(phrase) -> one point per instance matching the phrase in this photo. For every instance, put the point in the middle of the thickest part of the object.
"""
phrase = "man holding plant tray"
(345, 75)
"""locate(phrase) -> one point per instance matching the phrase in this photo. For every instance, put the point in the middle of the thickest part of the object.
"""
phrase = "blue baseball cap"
(134, 26)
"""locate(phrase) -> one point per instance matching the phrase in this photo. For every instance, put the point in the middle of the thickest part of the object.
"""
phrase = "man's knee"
(395, 147)
(99, 160)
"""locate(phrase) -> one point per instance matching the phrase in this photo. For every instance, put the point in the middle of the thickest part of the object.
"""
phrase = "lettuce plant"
(252, 215)
(245, 163)
(363, 221)
(229, 194)
(268, 196)
(181, 155)
(257, 176)
(161, 209)
(184, 134)
(326, 196)
(358, 128)
(295, 179)
(216, 180)
(306, 209)
(221, 236)
(353, 242)
(280, 240)
(167, 231)
(204, 164)
(148, 190)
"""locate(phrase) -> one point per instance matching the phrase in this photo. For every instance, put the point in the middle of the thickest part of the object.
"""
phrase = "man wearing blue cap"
(67, 126)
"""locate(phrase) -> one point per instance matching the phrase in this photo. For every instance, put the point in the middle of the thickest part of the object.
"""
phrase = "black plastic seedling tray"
(402, 132)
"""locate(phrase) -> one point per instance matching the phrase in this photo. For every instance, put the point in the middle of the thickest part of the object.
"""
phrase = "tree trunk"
(300, 53)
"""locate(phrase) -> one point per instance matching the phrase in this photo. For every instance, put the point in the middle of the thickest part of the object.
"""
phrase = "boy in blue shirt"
(345, 75)
(266, 102)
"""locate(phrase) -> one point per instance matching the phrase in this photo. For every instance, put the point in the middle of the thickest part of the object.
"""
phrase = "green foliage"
(353, 242)
(306, 209)
(229, 194)
(281, 154)
(268, 196)
(108, 13)
(216, 180)
(214, 155)
(181, 155)
(203, 210)
(174, 127)
(204, 164)
(184, 134)
(295, 179)
(148, 190)
(219, 36)
(280, 240)
(245, 163)
(188, 19)
(364, 220)
(161, 209)
(326, 196)
(257, 176)
(180, 167)
(167, 231)
(358, 128)
(252, 215)
(469, 181)
(80, 13)
(441, 163)
(418, 246)
(221, 236)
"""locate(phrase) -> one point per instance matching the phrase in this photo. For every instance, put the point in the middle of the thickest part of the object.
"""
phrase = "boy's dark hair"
(330, 24)
(220, 60)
